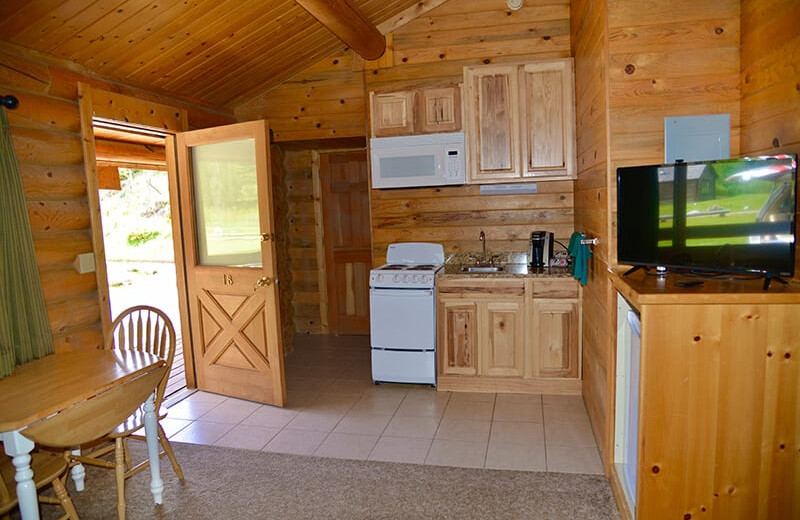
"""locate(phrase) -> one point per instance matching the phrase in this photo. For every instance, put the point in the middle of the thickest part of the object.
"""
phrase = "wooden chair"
(94, 418)
(48, 468)
(145, 329)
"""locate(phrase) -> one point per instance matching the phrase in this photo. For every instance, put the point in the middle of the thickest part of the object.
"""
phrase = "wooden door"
(229, 249)
(346, 231)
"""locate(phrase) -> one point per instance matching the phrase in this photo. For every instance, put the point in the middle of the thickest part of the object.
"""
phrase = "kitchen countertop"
(509, 270)
(514, 263)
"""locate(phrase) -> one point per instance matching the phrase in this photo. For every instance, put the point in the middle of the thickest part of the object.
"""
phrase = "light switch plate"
(84, 263)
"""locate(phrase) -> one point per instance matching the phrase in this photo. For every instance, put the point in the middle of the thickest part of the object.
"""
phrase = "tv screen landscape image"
(731, 216)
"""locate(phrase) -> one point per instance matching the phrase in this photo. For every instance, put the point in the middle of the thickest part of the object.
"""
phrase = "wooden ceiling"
(220, 52)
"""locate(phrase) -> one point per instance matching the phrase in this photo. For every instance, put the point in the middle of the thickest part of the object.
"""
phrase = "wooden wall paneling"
(770, 57)
(664, 76)
(327, 100)
(449, 32)
(454, 216)
(589, 31)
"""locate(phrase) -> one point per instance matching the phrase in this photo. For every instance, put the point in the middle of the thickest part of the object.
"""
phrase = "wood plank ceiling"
(220, 52)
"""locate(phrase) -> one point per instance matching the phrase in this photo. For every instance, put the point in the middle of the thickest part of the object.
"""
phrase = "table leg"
(151, 433)
(78, 473)
(19, 448)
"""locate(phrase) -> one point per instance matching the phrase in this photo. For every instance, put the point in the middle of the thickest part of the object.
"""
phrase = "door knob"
(263, 282)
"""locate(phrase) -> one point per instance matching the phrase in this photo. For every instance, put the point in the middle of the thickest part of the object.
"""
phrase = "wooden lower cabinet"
(556, 325)
(494, 336)
(503, 352)
(713, 425)
(458, 334)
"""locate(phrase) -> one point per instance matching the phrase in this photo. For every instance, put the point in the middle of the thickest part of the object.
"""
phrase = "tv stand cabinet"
(718, 434)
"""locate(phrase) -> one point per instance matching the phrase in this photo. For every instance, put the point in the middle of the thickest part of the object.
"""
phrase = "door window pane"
(226, 204)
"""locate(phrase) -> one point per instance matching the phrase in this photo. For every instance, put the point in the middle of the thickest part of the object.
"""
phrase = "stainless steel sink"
(482, 269)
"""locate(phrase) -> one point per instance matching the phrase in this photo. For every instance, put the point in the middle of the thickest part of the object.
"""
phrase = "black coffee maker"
(540, 251)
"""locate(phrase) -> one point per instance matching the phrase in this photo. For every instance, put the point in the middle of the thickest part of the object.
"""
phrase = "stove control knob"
(426, 278)
(377, 277)
(417, 278)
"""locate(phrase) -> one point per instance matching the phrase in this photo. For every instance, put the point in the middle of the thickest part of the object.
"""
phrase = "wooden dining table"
(47, 386)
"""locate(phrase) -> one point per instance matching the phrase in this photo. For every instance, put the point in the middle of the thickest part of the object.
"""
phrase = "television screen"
(733, 215)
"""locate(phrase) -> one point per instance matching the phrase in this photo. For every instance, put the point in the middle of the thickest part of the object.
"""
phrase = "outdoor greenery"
(136, 219)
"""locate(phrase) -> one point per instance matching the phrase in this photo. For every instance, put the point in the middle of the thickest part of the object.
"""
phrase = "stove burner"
(422, 267)
(392, 266)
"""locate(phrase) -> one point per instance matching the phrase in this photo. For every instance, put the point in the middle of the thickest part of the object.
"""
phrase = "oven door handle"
(404, 293)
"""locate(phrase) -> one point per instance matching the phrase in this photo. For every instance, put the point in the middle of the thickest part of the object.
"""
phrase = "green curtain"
(24, 327)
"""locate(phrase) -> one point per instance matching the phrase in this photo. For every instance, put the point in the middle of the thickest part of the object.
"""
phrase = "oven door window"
(402, 319)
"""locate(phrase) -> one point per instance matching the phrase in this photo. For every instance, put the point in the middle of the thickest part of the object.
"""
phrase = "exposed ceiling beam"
(348, 25)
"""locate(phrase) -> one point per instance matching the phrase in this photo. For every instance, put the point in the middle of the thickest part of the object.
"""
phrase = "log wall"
(299, 188)
(46, 134)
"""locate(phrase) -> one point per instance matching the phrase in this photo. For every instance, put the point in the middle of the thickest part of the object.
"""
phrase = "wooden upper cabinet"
(392, 113)
(439, 110)
(520, 121)
(418, 111)
(491, 105)
(548, 126)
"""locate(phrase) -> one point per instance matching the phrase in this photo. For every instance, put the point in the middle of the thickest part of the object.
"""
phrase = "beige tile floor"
(334, 410)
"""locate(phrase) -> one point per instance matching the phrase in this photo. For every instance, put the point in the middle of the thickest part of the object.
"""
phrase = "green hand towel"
(580, 254)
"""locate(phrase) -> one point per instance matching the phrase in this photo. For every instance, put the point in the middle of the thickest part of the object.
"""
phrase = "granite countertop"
(515, 264)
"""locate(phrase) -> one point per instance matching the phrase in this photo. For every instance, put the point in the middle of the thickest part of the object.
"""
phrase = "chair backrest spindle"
(147, 329)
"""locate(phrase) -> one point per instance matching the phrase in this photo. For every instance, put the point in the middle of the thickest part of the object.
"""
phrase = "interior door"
(348, 252)
(229, 250)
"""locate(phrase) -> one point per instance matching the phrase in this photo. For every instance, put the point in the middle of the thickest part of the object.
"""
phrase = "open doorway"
(140, 260)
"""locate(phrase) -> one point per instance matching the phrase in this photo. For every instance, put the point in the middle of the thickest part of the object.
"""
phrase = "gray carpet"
(239, 484)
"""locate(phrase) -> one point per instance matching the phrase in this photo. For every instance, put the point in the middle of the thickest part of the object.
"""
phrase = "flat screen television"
(723, 216)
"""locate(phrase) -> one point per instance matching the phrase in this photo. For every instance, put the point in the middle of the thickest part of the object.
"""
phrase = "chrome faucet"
(482, 238)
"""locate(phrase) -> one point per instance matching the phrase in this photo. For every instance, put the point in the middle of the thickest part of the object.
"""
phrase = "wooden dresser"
(718, 434)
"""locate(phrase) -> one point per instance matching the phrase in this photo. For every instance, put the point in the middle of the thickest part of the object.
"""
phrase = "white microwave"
(418, 160)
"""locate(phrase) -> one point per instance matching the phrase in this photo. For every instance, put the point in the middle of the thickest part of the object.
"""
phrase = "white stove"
(403, 313)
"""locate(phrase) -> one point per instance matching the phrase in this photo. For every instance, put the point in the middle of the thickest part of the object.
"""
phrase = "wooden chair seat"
(48, 468)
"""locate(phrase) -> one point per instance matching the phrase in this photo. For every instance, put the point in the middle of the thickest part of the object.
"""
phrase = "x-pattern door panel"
(230, 261)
